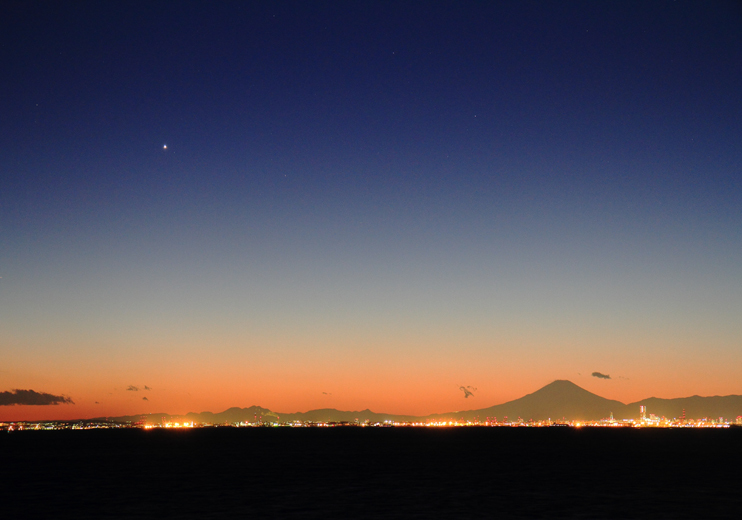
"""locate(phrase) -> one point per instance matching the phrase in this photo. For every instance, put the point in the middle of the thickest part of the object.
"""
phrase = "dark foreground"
(372, 473)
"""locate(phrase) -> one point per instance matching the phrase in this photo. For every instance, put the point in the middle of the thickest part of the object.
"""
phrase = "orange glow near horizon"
(414, 375)
(415, 395)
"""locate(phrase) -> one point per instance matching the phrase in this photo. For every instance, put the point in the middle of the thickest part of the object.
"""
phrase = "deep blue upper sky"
(444, 117)
(347, 158)
(406, 98)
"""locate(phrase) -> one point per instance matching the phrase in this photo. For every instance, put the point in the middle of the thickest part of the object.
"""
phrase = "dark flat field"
(372, 473)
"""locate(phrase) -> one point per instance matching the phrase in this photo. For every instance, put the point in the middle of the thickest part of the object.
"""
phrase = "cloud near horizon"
(601, 376)
(30, 397)
(468, 390)
(132, 388)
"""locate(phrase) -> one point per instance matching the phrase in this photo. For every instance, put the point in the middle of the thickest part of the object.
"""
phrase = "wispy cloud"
(601, 376)
(30, 397)
(145, 398)
(147, 388)
(468, 390)
(133, 388)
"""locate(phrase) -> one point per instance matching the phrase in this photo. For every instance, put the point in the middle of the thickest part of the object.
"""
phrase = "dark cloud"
(147, 388)
(133, 388)
(32, 398)
(145, 398)
(601, 376)
(468, 390)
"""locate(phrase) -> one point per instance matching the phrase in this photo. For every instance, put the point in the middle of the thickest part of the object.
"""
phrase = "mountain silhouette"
(560, 399)
(557, 400)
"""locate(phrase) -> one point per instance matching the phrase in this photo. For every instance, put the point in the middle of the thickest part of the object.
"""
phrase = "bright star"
(164, 147)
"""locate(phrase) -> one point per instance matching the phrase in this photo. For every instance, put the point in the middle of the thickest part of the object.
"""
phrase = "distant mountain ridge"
(727, 406)
(557, 400)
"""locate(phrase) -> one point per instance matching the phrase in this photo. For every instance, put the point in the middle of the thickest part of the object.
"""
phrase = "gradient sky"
(367, 204)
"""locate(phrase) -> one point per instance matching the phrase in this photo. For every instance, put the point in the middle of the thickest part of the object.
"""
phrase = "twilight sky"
(359, 205)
